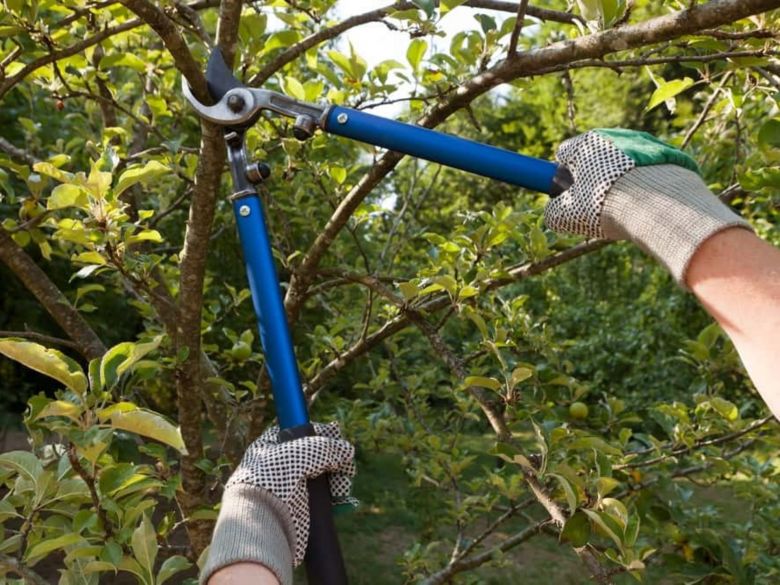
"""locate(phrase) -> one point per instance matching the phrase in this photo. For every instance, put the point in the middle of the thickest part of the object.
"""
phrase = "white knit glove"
(629, 185)
(265, 508)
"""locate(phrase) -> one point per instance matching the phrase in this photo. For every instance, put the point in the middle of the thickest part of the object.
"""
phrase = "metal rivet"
(342, 118)
(244, 210)
(235, 103)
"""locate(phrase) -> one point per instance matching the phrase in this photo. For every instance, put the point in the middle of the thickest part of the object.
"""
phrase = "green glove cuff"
(645, 149)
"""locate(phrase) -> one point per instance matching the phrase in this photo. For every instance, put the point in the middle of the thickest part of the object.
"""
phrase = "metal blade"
(219, 77)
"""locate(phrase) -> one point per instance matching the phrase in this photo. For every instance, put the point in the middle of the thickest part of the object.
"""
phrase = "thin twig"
(521, 10)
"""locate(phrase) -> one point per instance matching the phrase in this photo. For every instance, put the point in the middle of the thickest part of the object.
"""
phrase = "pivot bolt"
(257, 172)
(304, 127)
(235, 103)
(342, 118)
(244, 211)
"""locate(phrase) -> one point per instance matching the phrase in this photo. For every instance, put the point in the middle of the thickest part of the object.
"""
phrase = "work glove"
(264, 516)
(629, 185)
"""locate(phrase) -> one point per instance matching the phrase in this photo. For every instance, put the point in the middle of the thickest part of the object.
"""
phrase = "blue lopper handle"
(481, 159)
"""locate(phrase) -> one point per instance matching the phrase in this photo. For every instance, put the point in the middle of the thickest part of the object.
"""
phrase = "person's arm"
(243, 574)
(631, 186)
(262, 530)
(736, 276)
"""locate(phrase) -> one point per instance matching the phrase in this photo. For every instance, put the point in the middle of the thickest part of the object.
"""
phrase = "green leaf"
(428, 6)
(576, 531)
(594, 443)
(140, 174)
(89, 258)
(725, 408)
(415, 52)
(61, 408)
(98, 567)
(122, 357)
(149, 424)
(339, 174)
(606, 526)
(130, 565)
(617, 510)
(408, 290)
(170, 567)
(294, 88)
(67, 195)
(24, 463)
(520, 374)
(667, 91)
(115, 477)
(569, 490)
(769, 135)
(483, 382)
(144, 545)
(51, 544)
(145, 236)
(605, 485)
(49, 362)
(50, 170)
(446, 5)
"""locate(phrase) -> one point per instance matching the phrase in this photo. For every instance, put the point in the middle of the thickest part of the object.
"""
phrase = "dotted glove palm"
(265, 508)
(629, 185)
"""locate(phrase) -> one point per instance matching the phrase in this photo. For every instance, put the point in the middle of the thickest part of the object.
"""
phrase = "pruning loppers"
(237, 108)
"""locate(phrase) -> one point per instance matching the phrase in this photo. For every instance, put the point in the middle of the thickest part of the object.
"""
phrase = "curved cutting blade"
(219, 77)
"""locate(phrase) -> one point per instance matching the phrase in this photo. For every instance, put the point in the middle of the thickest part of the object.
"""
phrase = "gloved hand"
(629, 185)
(265, 507)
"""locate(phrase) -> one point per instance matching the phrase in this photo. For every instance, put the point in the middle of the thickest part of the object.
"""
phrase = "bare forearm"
(244, 574)
(736, 276)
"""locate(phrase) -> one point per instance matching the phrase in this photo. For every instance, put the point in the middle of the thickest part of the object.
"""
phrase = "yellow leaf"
(47, 361)
(149, 424)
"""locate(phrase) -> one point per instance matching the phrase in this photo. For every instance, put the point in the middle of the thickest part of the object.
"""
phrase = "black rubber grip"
(561, 182)
(324, 562)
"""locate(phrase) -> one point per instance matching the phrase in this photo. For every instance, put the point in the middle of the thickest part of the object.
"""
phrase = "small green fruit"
(578, 410)
(241, 351)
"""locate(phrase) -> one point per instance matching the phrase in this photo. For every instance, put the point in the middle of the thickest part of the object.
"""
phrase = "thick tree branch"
(175, 43)
(593, 46)
(17, 153)
(51, 297)
(46, 340)
(296, 50)
(190, 375)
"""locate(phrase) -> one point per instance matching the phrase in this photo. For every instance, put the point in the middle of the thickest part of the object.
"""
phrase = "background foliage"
(515, 395)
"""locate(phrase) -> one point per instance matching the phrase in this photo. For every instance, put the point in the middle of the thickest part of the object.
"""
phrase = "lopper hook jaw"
(238, 105)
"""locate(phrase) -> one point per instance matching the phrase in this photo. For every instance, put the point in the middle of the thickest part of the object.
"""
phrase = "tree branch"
(756, 424)
(437, 303)
(17, 153)
(175, 43)
(525, 64)
(51, 297)
(446, 574)
(522, 8)
(41, 338)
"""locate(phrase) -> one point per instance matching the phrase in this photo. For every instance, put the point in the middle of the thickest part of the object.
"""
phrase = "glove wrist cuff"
(253, 526)
(667, 211)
